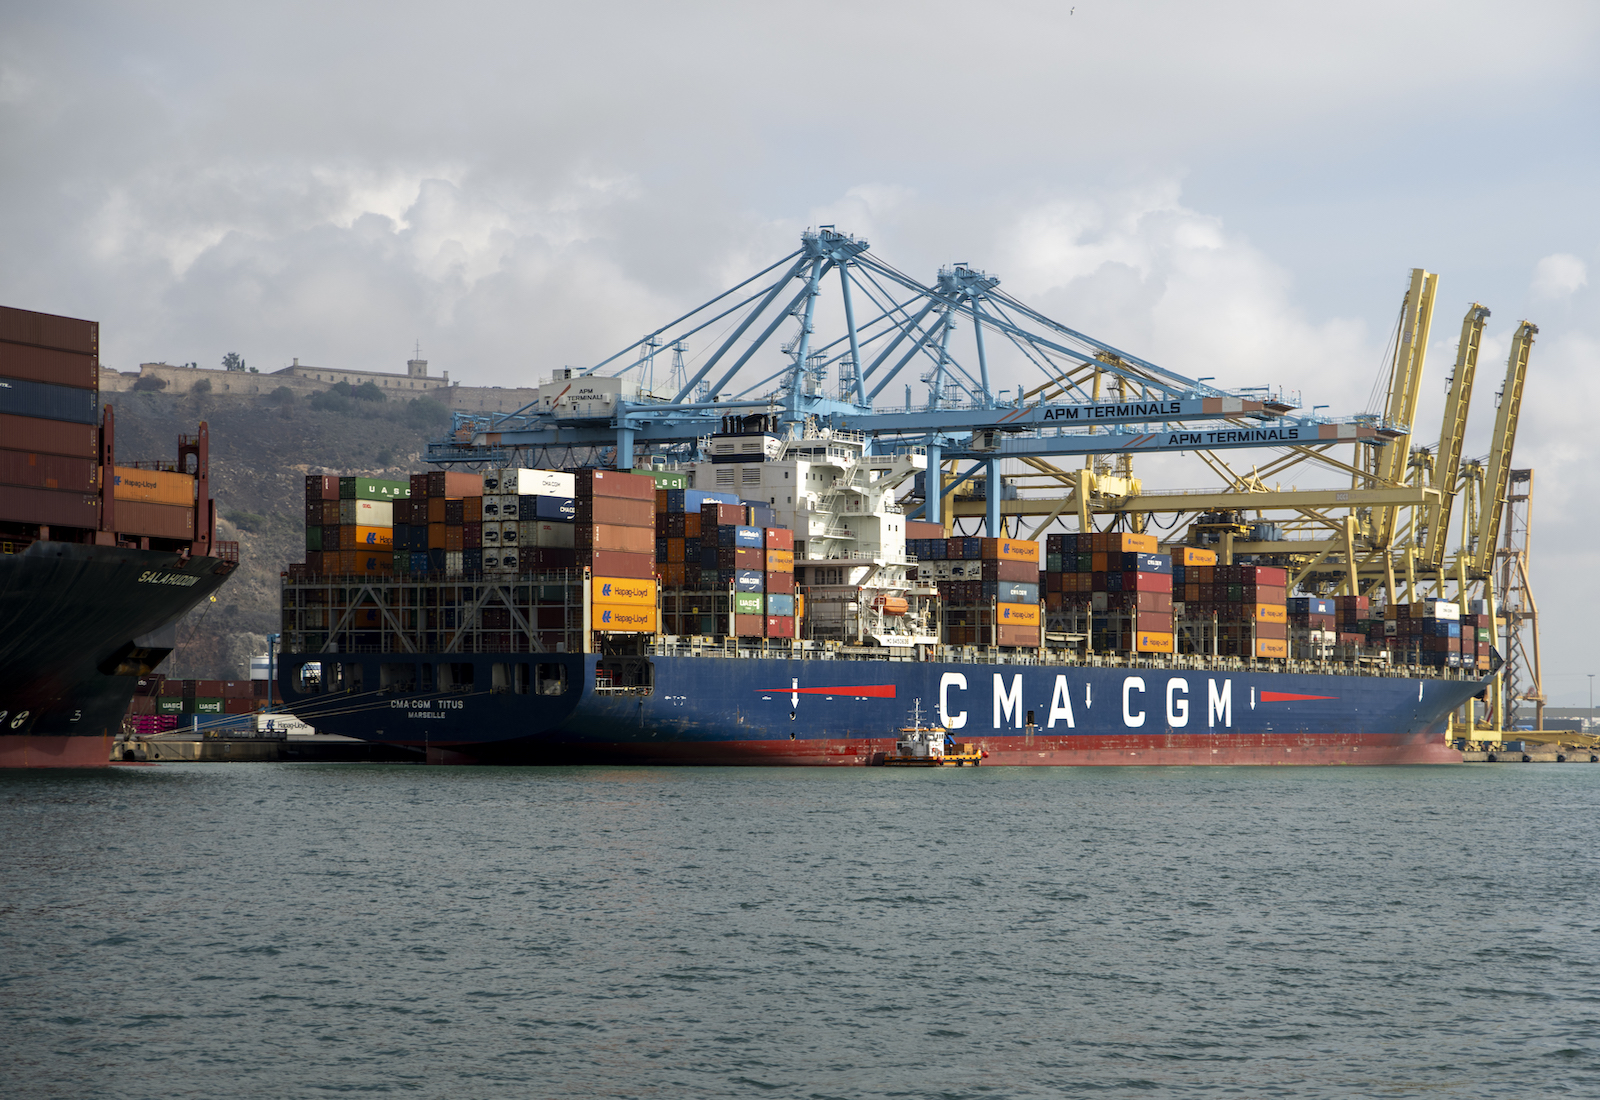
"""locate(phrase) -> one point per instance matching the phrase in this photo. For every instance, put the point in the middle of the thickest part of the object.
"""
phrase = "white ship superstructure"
(849, 529)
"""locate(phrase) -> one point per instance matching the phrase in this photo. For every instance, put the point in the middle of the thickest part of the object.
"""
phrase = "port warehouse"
(60, 478)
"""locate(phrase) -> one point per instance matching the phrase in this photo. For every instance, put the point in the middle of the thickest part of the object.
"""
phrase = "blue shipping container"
(780, 605)
(21, 397)
(689, 500)
(748, 537)
(747, 580)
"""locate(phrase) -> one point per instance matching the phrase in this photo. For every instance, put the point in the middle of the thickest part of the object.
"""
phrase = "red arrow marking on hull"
(1289, 697)
(875, 691)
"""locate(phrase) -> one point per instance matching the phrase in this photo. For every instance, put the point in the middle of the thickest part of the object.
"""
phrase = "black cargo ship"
(98, 558)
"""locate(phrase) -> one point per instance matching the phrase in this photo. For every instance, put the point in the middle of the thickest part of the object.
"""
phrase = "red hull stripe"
(859, 691)
(1289, 697)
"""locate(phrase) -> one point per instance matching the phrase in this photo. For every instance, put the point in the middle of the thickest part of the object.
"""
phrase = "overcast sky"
(1237, 190)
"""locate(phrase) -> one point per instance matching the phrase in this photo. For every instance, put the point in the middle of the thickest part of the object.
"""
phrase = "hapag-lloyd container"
(153, 486)
(615, 591)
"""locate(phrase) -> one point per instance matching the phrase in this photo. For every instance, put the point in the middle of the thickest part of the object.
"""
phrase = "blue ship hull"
(561, 708)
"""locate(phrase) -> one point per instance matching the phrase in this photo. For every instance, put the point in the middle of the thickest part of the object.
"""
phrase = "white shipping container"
(452, 562)
(510, 530)
(366, 513)
(491, 535)
(1441, 609)
(539, 483)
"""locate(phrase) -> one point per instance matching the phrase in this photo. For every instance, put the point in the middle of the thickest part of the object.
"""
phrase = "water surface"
(285, 930)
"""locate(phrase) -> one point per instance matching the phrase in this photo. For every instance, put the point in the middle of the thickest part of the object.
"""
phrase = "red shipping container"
(1014, 635)
(616, 563)
(620, 511)
(1147, 582)
(614, 483)
(322, 487)
(472, 536)
(558, 557)
(746, 557)
(605, 536)
(1275, 630)
(55, 437)
(453, 484)
(419, 486)
(238, 706)
(42, 471)
(779, 538)
(50, 507)
(1156, 621)
(672, 574)
(669, 525)
(721, 515)
(780, 626)
(49, 330)
(1025, 571)
(779, 584)
(749, 626)
(59, 368)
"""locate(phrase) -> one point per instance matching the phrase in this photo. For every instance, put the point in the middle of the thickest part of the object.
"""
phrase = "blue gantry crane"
(783, 345)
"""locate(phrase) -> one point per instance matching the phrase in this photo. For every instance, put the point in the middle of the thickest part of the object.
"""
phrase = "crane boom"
(1498, 471)
(1388, 466)
(1453, 432)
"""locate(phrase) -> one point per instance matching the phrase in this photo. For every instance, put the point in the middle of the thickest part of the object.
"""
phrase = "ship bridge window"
(401, 679)
(455, 676)
(508, 678)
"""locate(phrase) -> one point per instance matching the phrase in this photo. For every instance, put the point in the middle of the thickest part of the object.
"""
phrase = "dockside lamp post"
(272, 667)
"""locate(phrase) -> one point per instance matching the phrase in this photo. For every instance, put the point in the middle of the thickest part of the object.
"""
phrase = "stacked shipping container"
(49, 420)
(989, 587)
(350, 523)
(1113, 587)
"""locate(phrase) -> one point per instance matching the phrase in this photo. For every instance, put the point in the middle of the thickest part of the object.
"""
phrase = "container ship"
(772, 605)
(99, 556)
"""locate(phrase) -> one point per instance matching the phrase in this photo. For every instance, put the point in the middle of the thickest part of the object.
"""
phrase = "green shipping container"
(314, 538)
(749, 603)
(370, 488)
(206, 704)
(663, 480)
(169, 704)
(402, 561)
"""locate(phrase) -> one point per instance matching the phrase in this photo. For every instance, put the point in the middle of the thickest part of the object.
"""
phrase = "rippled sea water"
(286, 930)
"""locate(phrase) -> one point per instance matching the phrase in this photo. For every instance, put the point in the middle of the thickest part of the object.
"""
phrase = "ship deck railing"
(1062, 658)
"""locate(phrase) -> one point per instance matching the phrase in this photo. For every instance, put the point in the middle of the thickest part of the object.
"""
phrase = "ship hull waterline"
(776, 711)
(79, 625)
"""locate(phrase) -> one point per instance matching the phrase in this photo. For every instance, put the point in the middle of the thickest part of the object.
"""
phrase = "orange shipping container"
(691, 525)
(372, 536)
(1017, 614)
(1125, 542)
(624, 618)
(780, 561)
(671, 573)
(675, 551)
(1272, 647)
(1270, 613)
(630, 591)
(1009, 550)
(1190, 555)
(1154, 641)
(154, 486)
(472, 510)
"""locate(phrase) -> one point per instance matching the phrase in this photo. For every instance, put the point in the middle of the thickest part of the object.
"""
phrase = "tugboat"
(927, 746)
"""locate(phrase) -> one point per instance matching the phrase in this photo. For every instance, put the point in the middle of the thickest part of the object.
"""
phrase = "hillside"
(261, 450)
